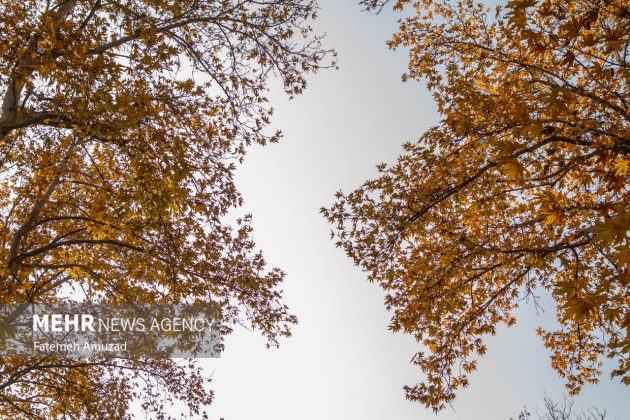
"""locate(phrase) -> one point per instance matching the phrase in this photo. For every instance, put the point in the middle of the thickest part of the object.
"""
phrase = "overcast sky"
(342, 362)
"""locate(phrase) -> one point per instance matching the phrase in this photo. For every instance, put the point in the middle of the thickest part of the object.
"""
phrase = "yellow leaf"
(621, 167)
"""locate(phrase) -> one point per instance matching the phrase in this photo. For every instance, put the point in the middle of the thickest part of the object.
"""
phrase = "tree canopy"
(122, 123)
(521, 188)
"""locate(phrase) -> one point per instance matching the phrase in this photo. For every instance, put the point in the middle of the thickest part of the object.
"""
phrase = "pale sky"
(342, 362)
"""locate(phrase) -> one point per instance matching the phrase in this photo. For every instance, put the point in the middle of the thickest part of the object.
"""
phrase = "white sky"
(342, 362)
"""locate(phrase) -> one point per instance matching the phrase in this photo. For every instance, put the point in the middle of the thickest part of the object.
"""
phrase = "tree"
(564, 410)
(121, 125)
(522, 187)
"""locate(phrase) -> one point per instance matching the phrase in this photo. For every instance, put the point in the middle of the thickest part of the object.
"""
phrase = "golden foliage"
(523, 186)
(121, 126)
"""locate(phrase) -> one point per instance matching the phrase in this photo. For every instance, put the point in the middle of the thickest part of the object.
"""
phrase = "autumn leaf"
(120, 126)
(521, 187)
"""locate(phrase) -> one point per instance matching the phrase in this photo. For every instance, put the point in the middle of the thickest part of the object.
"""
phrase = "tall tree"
(121, 125)
(522, 187)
